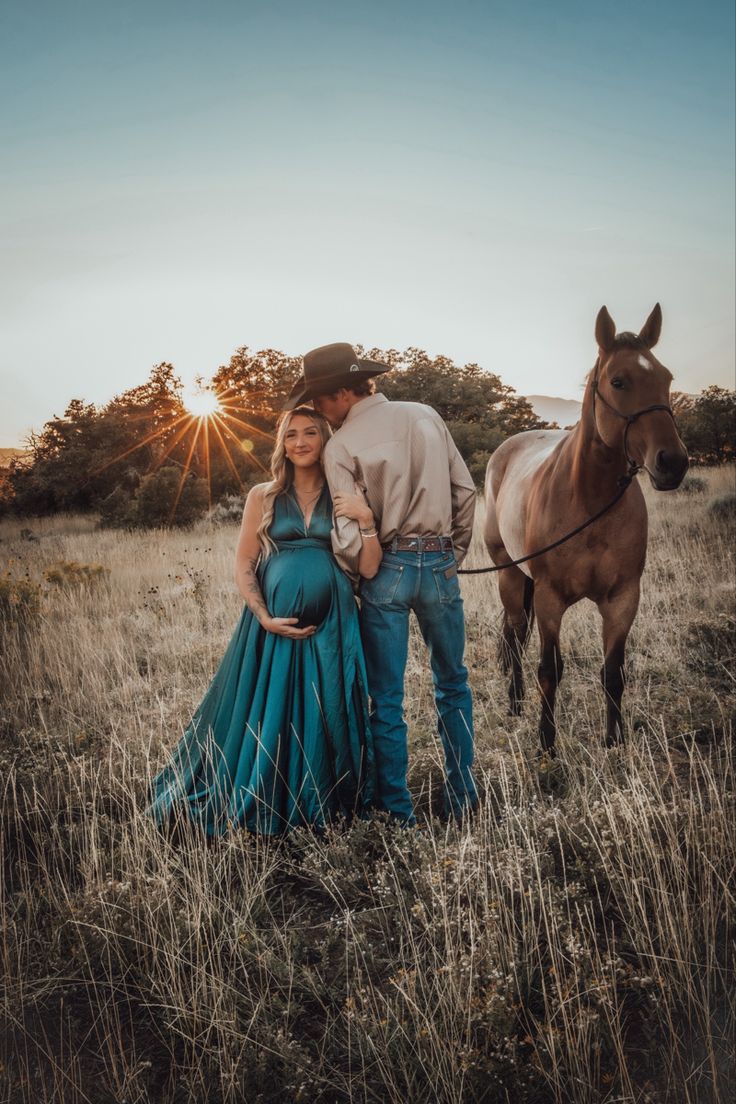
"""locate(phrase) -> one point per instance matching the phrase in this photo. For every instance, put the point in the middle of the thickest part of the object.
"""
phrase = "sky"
(180, 179)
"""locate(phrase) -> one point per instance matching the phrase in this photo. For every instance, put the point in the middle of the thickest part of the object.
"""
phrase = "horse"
(542, 484)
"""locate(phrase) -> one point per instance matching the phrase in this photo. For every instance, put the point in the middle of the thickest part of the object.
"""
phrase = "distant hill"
(8, 454)
(565, 412)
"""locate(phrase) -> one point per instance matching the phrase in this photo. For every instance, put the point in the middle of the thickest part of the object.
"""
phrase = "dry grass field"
(573, 943)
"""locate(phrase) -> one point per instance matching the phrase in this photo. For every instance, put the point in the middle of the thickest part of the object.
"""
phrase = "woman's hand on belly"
(286, 626)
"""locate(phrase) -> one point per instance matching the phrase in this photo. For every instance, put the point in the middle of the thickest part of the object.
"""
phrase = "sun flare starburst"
(201, 404)
(207, 424)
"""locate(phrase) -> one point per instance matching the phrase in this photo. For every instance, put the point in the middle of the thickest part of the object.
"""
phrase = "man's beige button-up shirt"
(415, 480)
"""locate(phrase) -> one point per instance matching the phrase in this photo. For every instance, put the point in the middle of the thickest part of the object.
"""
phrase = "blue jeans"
(427, 583)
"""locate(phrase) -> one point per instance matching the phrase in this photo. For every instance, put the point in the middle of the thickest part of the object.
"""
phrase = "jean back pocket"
(446, 580)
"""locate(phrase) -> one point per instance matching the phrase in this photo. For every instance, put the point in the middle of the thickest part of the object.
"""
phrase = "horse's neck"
(595, 467)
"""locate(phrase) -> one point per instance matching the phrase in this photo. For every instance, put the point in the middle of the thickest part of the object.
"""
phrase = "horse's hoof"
(551, 775)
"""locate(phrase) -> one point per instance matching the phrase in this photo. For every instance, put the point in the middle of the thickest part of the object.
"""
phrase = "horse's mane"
(628, 340)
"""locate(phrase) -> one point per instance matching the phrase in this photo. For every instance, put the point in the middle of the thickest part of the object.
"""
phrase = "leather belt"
(419, 544)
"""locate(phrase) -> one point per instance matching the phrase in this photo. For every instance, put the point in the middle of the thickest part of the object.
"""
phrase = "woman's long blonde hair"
(282, 469)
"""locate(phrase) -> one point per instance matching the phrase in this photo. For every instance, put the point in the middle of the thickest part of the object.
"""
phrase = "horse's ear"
(652, 328)
(605, 330)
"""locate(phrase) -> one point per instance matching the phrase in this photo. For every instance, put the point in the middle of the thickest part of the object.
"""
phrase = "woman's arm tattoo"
(251, 591)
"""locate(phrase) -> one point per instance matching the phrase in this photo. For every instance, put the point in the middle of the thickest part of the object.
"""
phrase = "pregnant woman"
(282, 738)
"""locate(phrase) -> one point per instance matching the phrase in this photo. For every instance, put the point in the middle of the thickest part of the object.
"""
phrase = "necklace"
(303, 504)
(306, 499)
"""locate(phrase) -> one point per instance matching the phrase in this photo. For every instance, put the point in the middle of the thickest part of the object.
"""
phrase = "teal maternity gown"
(282, 736)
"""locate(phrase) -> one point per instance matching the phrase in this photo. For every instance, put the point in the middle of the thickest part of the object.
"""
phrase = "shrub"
(711, 646)
(69, 573)
(164, 499)
(118, 510)
(20, 599)
(693, 484)
(723, 507)
(229, 508)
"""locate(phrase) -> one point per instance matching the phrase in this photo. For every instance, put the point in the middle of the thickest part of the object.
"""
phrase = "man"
(423, 499)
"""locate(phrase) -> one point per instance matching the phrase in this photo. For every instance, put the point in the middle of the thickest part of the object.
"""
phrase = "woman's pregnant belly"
(300, 583)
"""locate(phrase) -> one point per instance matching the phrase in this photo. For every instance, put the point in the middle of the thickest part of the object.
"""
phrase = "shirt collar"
(369, 403)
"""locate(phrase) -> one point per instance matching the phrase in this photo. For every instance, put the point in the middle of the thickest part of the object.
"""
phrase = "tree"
(80, 458)
(254, 385)
(252, 389)
(146, 422)
(707, 425)
(53, 478)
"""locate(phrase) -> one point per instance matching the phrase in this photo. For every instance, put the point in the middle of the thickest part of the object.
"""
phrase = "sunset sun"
(201, 404)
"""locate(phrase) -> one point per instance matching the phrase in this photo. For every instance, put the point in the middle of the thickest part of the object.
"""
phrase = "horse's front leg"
(618, 615)
(549, 608)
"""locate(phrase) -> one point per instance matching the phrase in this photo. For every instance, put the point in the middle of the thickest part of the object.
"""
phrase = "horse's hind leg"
(517, 593)
(618, 615)
(549, 608)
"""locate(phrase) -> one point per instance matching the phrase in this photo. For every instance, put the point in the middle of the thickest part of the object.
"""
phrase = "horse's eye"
(617, 382)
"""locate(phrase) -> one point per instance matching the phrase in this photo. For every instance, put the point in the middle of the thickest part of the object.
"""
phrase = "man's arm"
(463, 494)
(355, 506)
(346, 542)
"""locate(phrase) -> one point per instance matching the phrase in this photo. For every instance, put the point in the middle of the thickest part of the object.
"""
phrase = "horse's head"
(634, 391)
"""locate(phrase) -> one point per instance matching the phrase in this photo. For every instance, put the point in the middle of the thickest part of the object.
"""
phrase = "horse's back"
(509, 477)
(519, 457)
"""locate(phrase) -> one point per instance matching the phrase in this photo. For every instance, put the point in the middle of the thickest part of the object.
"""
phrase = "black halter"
(633, 467)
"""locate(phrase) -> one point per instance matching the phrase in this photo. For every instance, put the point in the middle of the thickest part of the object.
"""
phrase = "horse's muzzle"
(669, 469)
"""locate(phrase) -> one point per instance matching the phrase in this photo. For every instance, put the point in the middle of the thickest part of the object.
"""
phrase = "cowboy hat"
(329, 368)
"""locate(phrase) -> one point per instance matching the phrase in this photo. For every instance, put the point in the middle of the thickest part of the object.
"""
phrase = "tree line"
(707, 424)
(143, 459)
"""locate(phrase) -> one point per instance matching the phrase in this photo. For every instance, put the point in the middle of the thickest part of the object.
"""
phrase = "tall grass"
(574, 942)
